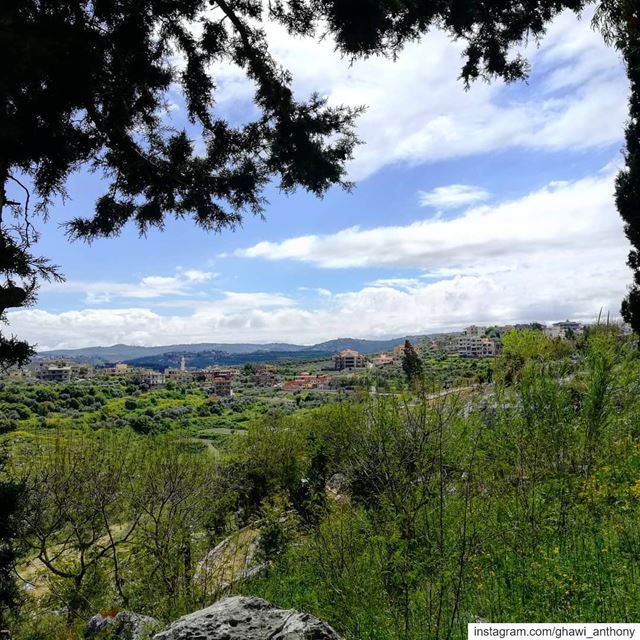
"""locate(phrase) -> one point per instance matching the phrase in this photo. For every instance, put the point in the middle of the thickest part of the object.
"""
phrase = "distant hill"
(203, 359)
(221, 353)
(122, 352)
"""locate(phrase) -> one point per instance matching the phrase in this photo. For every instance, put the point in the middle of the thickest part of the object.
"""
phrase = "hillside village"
(474, 342)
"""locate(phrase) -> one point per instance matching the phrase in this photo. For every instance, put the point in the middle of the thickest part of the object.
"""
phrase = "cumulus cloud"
(418, 110)
(544, 290)
(452, 196)
(569, 217)
(556, 253)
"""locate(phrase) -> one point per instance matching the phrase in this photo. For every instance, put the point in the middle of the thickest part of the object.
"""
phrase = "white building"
(564, 329)
(150, 377)
(477, 347)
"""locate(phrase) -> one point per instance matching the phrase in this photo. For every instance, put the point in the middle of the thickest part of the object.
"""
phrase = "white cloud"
(564, 216)
(98, 292)
(452, 196)
(557, 253)
(418, 110)
(545, 290)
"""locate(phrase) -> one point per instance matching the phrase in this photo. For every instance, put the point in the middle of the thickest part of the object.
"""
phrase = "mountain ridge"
(122, 352)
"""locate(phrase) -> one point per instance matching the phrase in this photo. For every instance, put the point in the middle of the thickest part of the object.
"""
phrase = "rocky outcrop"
(338, 486)
(234, 559)
(247, 618)
(125, 625)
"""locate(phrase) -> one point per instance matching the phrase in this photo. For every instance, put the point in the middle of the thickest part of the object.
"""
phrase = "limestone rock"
(125, 625)
(234, 559)
(247, 618)
(338, 485)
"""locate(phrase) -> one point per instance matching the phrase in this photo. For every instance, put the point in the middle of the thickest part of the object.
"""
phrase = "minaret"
(183, 366)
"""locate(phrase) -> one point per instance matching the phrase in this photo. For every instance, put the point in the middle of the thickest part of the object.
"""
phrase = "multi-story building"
(476, 347)
(209, 374)
(48, 372)
(119, 369)
(564, 329)
(264, 375)
(178, 376)
(348, 359)
(473, 331)
(150, 377)
(445, 344)
(221, 387)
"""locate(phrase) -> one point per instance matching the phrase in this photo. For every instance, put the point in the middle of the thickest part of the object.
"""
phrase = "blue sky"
(490, 206)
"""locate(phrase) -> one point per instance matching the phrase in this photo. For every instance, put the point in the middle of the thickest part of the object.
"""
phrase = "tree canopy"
(85, 83)
(411, 363)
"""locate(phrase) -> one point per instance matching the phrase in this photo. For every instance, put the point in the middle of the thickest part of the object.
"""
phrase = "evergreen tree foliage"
(411, 363)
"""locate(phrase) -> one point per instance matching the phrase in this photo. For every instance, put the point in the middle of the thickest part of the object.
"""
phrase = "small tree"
(411, 363)
(78, 516)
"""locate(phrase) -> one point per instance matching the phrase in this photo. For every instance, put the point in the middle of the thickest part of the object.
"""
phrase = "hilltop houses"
(474, 342)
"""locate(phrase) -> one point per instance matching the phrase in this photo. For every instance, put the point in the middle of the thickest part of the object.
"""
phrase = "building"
(48, 372)
(384, 360)
(564, 329)
(119, 369)
(306, 381)
(221, 387)
(477, 347)
(348, 359)
(209, 374)
(264, 375)
(149, 377)
(178, 376)
(553, 332)
(445, 344)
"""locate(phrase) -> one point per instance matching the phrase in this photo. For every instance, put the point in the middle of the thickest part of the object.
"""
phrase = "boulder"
(247, 618)
(125, 625)
(338, 486)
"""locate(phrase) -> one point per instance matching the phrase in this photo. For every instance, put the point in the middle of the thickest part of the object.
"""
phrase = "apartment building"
(348, 359)
(477, 346)
(564, 329)
(221, 387)
(54, 373)
(264, 375)
(150, 377)
(178, 376)
(119, 369)
(62, 371)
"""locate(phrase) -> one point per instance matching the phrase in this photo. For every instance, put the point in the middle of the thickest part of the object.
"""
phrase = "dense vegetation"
(514, 501)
